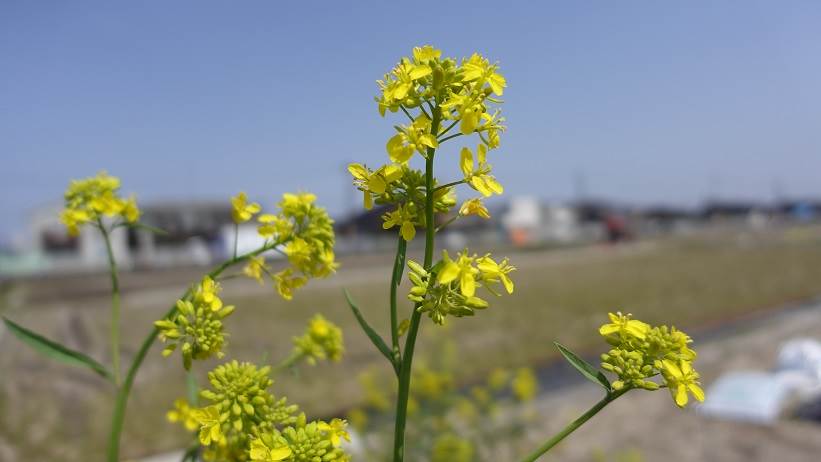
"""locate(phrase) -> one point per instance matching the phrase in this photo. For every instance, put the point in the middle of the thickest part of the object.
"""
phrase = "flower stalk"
(573, 426)
(413, 330)
(115, 303)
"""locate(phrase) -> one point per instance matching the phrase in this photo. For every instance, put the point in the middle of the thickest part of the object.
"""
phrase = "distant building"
(195, 233)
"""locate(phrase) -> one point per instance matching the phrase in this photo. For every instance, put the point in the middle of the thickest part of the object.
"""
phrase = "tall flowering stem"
(118, 417)
(413, 330)
(570, 428)
(115, 303)
(398, 268)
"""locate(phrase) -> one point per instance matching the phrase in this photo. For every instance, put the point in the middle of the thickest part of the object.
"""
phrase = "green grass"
(560, 296)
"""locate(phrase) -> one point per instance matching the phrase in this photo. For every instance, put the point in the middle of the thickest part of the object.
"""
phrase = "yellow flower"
(73, 218)
(525, 385)
(468, 110)
(477, 68)
(404, 217)
(375, 182)
(274, 227)
(255, 268)
(492, 271)
(624, 326)
(182, 413)
(286, 283)
(261, 452)
(461, 269)
(474, 207)
(209, 420)
(416, 137)
(681, 378)
(479, 178)
(336, 431)
(426, 53)
(89, 199)
(241, 210)
(130, 210)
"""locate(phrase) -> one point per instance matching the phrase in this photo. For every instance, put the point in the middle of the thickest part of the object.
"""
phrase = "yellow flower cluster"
(89, 199)
(456, 92)
(453, 289)
(321, 340)
(196, 327)
(302, 230)
(464, 89)
(642, 352)
(302, 442)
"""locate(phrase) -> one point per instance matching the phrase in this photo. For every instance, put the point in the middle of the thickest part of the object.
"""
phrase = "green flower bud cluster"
(317, 441)
(196, 327)
(631, 368)
(452, 290)
(321, 340)
(642, 352)
(239, 393)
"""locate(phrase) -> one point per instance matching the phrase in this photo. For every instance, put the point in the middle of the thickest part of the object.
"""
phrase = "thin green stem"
(445, 131)
(443, 225)
(558, 437)
(406, 113)
(289, 362)
(448, 185)
(118, 417)
(413, 330)
(455, 135)
(115, 303)
(396, 279)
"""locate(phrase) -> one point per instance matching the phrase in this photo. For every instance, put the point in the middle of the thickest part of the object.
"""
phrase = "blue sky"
(655, 102)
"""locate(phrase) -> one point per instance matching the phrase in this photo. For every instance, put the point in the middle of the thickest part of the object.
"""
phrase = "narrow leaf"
(372, 334)
(591, 373)
(146, 227)
(55, 350)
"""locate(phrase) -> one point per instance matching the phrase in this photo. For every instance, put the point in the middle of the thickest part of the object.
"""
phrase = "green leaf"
(591, 373)
(146, 227)
(372, 334)
(56, 351)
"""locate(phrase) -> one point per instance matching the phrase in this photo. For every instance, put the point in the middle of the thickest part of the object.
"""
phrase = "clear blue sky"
(656, 102)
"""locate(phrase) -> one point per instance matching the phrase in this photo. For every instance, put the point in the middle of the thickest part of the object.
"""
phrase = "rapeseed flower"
(242, 210)
(90, 199)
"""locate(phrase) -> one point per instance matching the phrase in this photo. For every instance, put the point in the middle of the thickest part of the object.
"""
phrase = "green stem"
(396, 279)
(288, 362)
(445, 131)
(448, 185)
(413, 330)
(118, 417)
(115, 304)
(558, 437)
(455, 135)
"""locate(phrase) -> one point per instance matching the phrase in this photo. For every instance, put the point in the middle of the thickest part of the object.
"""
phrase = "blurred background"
(661, 160)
